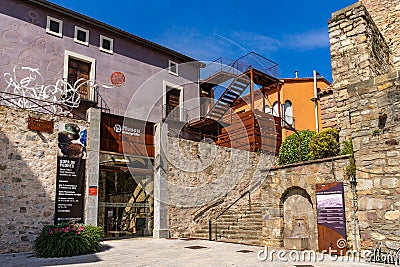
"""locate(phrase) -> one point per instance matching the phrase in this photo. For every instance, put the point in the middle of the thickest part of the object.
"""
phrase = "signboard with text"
(331, 217)
(125, 135)
(40, 125)
(70, 189)
(71, 166)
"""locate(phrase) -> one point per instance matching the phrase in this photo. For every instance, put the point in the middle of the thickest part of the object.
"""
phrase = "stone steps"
(245, 227)
(240, 225)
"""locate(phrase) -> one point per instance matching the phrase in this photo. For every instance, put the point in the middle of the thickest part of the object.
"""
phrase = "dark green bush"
(325, 144)
(289, 150)
(68, 239)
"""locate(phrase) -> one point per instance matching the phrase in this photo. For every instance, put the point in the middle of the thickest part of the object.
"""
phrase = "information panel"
(70, 189)
(331, 218)
(330, 208)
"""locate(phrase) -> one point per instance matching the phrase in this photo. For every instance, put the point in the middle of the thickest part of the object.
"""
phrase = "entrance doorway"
(125, 198)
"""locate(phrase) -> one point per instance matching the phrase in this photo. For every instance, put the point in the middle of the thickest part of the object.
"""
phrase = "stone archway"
(297, 211)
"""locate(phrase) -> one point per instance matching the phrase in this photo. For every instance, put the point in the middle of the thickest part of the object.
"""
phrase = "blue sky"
(294, 34)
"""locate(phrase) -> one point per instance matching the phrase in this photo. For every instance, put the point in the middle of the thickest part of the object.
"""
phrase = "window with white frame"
(54, 26)
(275, 109)
(173, 68)
(81, 36)
(106, 44)
(288, 113)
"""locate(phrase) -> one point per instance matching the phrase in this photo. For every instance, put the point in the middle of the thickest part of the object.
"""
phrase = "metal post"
(251, 90)
(316, 101)
(216, 235)
(209, 230)
(279, 103)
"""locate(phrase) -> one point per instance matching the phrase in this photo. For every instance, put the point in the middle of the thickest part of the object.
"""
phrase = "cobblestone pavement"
(170, 252)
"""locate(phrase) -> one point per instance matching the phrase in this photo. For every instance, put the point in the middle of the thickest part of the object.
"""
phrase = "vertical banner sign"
(331, 217)
(71, 165)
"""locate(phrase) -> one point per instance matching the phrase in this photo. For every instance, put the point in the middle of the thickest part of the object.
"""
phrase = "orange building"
(297, 100)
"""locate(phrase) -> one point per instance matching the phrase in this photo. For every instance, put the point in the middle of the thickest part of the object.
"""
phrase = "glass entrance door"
(125, 208)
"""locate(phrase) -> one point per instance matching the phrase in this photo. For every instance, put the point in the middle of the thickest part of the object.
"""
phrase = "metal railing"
(287, 121)
(99, 100)
(222, 213)
(240, 65)
(186, 134)
(34, 104)
(171, 113)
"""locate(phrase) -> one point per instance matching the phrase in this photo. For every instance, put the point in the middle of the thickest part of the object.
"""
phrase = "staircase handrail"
(223, 94)
(223, 212)
(233, 203)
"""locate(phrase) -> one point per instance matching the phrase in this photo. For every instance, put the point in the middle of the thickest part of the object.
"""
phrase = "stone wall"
(358, 49)
(328, 109)
(28, 164)
(385, 14)
(204, 179)
(301, 179)
(370, 116)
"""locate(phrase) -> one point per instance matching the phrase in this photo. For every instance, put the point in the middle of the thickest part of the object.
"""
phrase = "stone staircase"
(241, 224)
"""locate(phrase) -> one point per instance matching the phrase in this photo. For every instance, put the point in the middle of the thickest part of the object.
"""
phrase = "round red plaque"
(117, 78)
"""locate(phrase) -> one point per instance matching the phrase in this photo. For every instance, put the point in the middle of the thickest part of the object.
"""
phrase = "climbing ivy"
(347, 147)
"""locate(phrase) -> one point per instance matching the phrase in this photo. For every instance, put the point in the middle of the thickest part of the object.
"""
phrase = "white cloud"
(209, 46)
(308, 40)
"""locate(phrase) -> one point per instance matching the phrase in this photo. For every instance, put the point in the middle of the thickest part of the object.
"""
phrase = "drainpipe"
(315, 100)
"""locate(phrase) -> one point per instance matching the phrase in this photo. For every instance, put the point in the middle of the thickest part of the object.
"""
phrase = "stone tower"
(385, 14)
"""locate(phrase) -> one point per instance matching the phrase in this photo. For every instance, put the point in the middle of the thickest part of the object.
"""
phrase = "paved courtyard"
(170, 252)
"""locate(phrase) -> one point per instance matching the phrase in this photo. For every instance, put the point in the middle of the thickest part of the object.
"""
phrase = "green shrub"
(68, 239)
(347, 147)
(350, 169)
(289, 150)
(325, 144)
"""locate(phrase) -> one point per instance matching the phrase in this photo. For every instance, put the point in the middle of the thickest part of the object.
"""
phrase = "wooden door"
(78, 69)
(173, 100)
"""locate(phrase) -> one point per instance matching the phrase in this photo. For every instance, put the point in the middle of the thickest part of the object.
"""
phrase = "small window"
(106, 44)
(81, 36)
(54, 26)
(275, 110)
(173, 67)
(268, 109)
(288, 114)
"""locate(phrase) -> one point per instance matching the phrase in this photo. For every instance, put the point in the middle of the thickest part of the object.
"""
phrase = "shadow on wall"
(26, 203)
(28, 163)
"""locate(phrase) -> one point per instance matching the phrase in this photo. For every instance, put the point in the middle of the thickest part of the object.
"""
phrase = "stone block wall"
(28, 164)
(302, 179)
(370, 116)
(385, 14)
(207, 179)
(328, 109)
(358, 49)
(204, 179)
